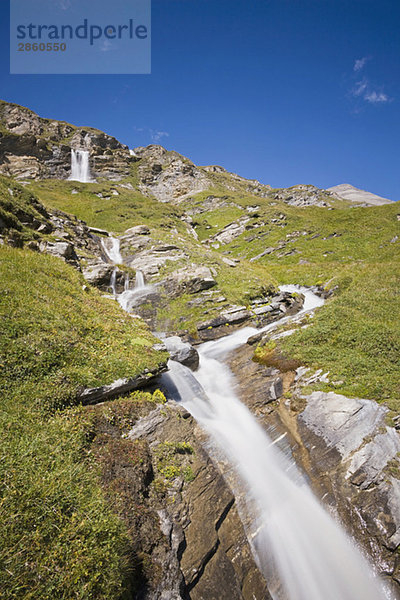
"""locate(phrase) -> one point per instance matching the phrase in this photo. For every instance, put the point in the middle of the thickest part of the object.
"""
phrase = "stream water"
(296, 539)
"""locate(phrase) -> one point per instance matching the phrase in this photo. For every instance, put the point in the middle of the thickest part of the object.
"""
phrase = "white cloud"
(359, 63)
(363, 89)
(64, 4)
(376, 97)
(360, 88)
(157, 136)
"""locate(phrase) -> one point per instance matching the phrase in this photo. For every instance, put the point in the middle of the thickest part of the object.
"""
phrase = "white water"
(139, 281)
(80, 169)
(128, 298)
(111, 247)
(312, 555)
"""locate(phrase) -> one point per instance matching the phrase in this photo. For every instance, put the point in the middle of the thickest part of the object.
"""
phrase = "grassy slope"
(116, 214)
(357, 334)
(348, 247)
(130, 208)
(59, 536)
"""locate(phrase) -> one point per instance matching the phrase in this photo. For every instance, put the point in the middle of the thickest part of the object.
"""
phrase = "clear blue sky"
(269, 89)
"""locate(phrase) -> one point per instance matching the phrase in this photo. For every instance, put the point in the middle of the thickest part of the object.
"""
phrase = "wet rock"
(182, 352)
(99, 275)
(352, 448)
(199, 519)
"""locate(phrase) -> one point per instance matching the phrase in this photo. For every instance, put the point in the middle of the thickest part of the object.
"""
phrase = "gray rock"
(342, 422)
(99, 275)
(137, 230)
(63, 250)
(230, 262)
(367, 464)
(118, 387)
(192, 280)
(182, 352)
(262, 310)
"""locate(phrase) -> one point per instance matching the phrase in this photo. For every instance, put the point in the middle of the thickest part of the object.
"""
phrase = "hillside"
(100, 472)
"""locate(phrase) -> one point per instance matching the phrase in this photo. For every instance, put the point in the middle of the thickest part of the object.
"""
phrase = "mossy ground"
(60, 537)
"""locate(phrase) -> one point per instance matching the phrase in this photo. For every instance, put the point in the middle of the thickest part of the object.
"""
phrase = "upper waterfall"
(80, 169)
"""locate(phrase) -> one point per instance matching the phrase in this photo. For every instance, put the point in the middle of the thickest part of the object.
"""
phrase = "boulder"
(99, 275)
(182, 352)
(119, 387)
(190, 280)
(64, 250)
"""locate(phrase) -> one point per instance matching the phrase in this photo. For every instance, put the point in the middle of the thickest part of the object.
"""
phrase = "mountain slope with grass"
(81, 501)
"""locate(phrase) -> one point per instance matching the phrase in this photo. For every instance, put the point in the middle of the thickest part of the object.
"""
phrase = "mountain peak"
(349, 192)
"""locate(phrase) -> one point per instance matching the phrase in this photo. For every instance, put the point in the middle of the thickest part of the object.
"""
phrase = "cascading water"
(129, 298)
(312, 556)
(113, 253)
(80, 169)
(111, 247)
(139, 281)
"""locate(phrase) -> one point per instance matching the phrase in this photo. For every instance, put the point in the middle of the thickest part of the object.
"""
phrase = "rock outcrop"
(32, 147)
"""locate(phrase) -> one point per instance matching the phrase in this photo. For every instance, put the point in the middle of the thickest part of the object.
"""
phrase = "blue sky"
(284, 91)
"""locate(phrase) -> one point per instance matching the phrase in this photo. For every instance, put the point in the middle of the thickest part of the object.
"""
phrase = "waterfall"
(309, 552)
(113, 253)
(80, 170)
(139, 281)
(111, 248)
(128, 298)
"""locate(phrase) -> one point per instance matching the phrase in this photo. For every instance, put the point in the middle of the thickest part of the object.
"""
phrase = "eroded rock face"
(168, 175)
(215, 558)
(33, 147)
(362, 454)
(349, 453)
(186, 531)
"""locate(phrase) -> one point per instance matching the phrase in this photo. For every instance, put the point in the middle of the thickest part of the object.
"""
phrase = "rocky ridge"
(32, 147)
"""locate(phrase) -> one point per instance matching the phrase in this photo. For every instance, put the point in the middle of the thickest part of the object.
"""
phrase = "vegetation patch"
(60, 536)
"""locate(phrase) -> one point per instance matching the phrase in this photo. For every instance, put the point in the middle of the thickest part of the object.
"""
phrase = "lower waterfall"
(295, 538)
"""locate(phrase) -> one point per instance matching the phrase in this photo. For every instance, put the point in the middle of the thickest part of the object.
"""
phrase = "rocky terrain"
(198, 253)
(349, 192)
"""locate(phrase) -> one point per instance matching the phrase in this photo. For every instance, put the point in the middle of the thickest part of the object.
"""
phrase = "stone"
(182, 352)
(342, 422)
(118, 387)
(137, 230)
(229, 262)
(64, 250)
(99, 275)
(192, 280)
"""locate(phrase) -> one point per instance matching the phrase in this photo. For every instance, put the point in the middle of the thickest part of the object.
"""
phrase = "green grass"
(115, 214)
(59, 535)
(356, 335)
(56, 334)
(19, 210)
